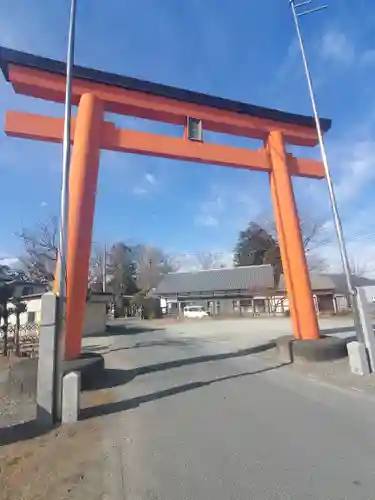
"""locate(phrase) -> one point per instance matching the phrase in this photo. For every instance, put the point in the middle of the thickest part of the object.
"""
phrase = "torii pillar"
(296, 273)
(83, 184)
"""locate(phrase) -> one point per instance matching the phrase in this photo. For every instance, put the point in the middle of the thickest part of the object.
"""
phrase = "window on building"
(31, 317)
(259, 306)
(236, 305)
(246, 302)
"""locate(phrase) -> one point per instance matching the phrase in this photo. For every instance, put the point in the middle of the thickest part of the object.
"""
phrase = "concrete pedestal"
(71, 398)
(284, 349)
(46, 362)
(358, 360)
(366, 324)
(323, 349)
(90, 367)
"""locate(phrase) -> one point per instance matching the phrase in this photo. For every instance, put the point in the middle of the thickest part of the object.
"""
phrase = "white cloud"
(189, 261)
(210, 211)
(139, 191)
(206, 220)
(356, 165)
(146, 185)
(361, 256)
(8, 260)
(335, 46)
(150, 178)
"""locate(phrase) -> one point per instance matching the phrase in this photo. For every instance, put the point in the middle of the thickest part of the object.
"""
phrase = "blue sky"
(242, 49)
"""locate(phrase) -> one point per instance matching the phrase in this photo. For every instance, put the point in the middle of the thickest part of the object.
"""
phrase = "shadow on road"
(115, 377)
(125, 330)
(22, 432)
(338, 329)
(130, 404)
(154, 343)
(100, 348)
(342, 329)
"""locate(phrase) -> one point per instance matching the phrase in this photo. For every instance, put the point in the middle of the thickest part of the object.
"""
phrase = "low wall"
(95, 318)
(95, 314)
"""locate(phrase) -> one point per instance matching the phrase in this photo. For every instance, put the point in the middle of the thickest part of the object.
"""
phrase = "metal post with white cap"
(64, 212)
(298, 11)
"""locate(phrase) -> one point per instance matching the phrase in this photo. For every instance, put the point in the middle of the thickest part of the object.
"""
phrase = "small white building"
(22, 288)
(95, 314)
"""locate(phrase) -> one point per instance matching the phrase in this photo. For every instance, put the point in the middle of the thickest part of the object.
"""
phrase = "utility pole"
(298, 11)
(104, 270)
(64, 211)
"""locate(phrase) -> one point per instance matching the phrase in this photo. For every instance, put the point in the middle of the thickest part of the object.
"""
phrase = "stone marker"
(366, 323)
(46, 368)
(284, 349)
(358, 360)
(71, 397)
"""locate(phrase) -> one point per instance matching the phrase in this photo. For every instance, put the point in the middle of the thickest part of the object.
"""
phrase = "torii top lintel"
(45, 78)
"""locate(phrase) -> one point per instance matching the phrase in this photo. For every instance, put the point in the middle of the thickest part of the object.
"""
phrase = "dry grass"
(65, 464)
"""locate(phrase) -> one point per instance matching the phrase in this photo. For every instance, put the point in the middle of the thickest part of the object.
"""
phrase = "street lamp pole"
(64, 211)
(297, 13)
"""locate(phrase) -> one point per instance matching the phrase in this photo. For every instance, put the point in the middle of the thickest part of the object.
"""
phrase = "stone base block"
(284, 349)
(22, 375)
(323, 349)
(70, 398)
(89, 365)
(358, 359)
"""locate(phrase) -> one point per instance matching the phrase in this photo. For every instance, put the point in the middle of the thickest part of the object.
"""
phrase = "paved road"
(199, 418)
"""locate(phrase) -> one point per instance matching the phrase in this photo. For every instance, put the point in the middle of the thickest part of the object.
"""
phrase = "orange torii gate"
(95, 92)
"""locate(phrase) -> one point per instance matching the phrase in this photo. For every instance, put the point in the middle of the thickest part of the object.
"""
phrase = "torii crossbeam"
(95, 92)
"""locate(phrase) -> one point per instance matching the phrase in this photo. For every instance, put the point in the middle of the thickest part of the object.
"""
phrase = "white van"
(197, 312)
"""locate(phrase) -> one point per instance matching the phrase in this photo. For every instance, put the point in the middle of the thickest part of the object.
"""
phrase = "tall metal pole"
(332, 196)
(64, 212)
(104, 271)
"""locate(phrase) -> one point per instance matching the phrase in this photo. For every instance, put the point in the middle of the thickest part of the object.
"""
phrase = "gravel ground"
(67, 463)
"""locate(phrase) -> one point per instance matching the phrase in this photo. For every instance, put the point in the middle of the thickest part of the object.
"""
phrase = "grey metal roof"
(251, 278)
(247, 278)
(318, 282)
(334, 282)
(339, 282)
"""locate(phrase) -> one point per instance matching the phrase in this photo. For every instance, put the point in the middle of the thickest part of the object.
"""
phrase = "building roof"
(9, 279)
(318, 282)
(249, 278)
(339, 282)
(9, 56)
(256, 279)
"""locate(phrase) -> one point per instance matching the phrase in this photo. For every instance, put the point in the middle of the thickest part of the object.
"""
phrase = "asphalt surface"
(194, 417)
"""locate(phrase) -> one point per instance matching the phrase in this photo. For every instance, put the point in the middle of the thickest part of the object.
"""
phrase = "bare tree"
(361, 269)
(316, 263)
(41, 250)
(208, 260)
(97, 273)
(151, 265)
(314, 237)
(121, 270)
